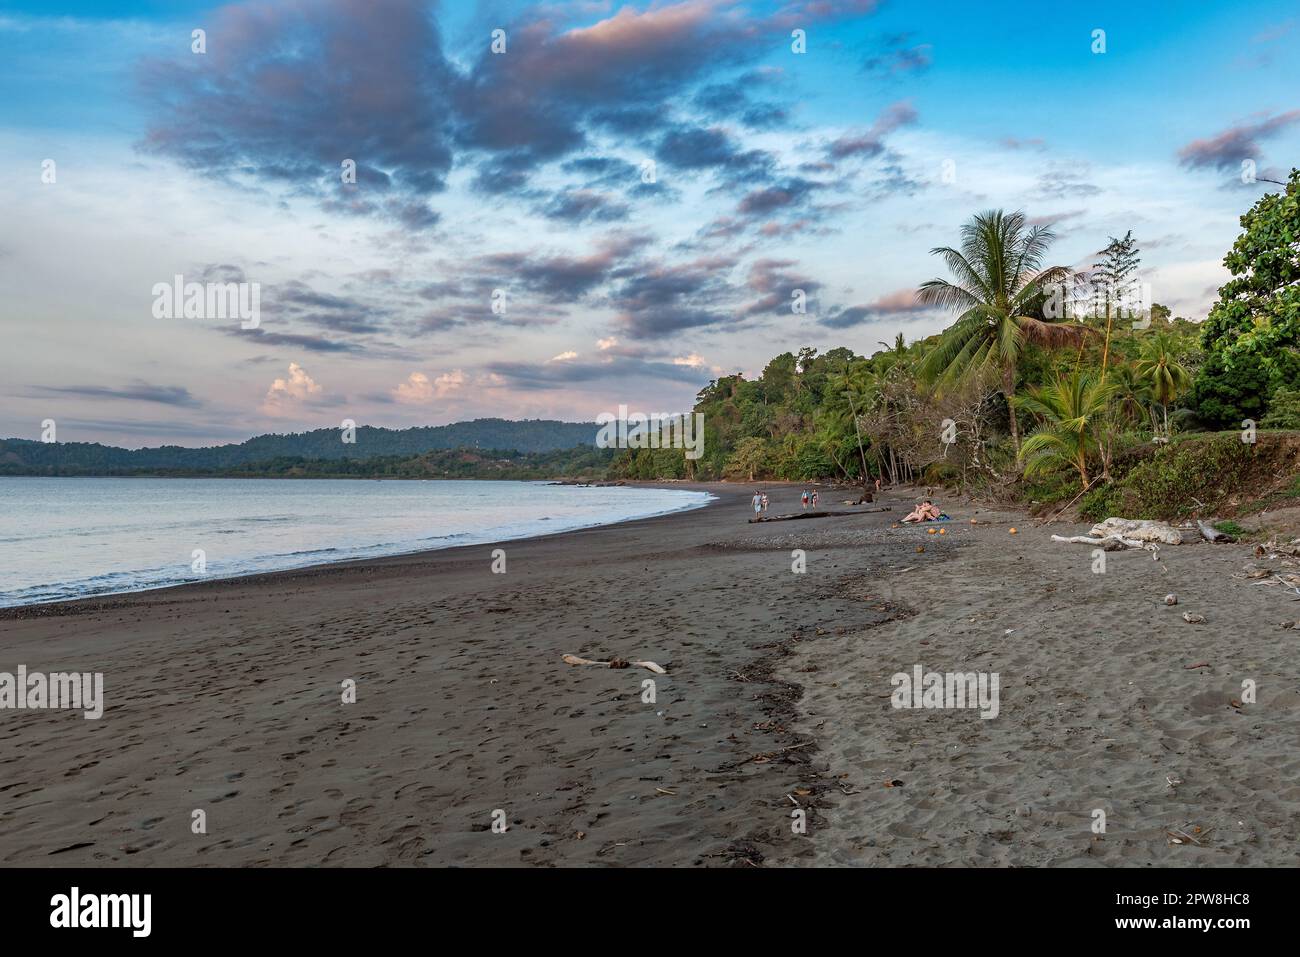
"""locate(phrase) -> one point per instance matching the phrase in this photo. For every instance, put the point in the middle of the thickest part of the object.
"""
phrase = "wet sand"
(226, 697)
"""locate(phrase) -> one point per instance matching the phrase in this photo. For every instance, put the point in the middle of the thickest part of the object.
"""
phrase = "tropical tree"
(853, 386)
(1252, 334)
(751, 457)
(1072, 410)
(1130, 394)
(1120, 260)
(893, 355)
(1164, 374)
(999, 288)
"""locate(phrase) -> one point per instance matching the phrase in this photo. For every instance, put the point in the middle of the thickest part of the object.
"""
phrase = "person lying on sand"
(925, 512)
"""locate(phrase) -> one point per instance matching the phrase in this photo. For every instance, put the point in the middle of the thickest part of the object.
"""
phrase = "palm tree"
(999, 287)
(1167, 377)
(1073, 410)
(1130, 398)
(855, 385)
(897, 350)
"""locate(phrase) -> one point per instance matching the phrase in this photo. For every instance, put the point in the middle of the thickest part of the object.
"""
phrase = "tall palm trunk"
(1009, 390)
(853, 407)
(1105, 352)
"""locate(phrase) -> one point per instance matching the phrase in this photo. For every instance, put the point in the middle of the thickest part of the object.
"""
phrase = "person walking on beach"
(764, 501)
(814, 498)
(804, 499)
(757, 503)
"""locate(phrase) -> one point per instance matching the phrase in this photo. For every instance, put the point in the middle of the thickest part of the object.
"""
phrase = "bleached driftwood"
(1119, 533)
(616, 663)
(1212, 534)
(1140, 529)
(1109, 543)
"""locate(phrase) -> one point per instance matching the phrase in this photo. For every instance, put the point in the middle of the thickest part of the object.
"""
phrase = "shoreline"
(102, 599)
(225, 696)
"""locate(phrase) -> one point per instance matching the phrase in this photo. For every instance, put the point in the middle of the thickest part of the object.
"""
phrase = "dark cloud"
(724, 227)
(605, 171)
(538, 287)
(661, 300)
(892, 180)
(261, 337)
(695, 148)
(774, 281)
(504, 173)
(618, 368)
(558, 277)
(585, 206)
(539, 100)
(789, 194)
(1052, 219)
(1226, 149)
(138, 391)
(871, 142)
(287, 92)
(899, 55)
(297, 301)
(612, 174)
(900, 303)
(222, 273)
(734, 100)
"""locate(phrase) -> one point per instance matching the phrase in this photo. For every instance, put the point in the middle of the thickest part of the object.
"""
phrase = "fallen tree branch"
(798, 515)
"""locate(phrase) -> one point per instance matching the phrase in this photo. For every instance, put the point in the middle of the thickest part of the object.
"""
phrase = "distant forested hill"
(25, 457)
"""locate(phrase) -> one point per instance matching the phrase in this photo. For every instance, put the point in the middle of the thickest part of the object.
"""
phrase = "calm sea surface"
(66, 538)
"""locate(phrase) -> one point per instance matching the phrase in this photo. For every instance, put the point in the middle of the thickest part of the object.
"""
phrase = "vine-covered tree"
(1252, 334)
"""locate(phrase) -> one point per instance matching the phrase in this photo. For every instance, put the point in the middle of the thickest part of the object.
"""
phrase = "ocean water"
(64, 538)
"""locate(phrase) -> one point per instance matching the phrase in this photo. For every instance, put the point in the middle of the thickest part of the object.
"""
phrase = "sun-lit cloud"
(416, 390)
(285, 393)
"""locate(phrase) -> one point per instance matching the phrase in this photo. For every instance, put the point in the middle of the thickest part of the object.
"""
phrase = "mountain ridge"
(30, 457)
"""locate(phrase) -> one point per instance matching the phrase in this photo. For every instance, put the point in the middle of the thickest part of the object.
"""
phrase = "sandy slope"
(1099, 709)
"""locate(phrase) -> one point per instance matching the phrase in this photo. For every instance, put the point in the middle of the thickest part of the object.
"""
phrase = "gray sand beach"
(226, 698)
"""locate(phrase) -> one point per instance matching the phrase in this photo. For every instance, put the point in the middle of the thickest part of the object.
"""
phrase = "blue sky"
(833, 171)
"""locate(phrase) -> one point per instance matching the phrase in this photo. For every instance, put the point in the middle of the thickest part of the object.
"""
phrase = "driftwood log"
(1107, 543)
(616, 663)
(1116, 533)
(796, 515)
(1212, 534)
